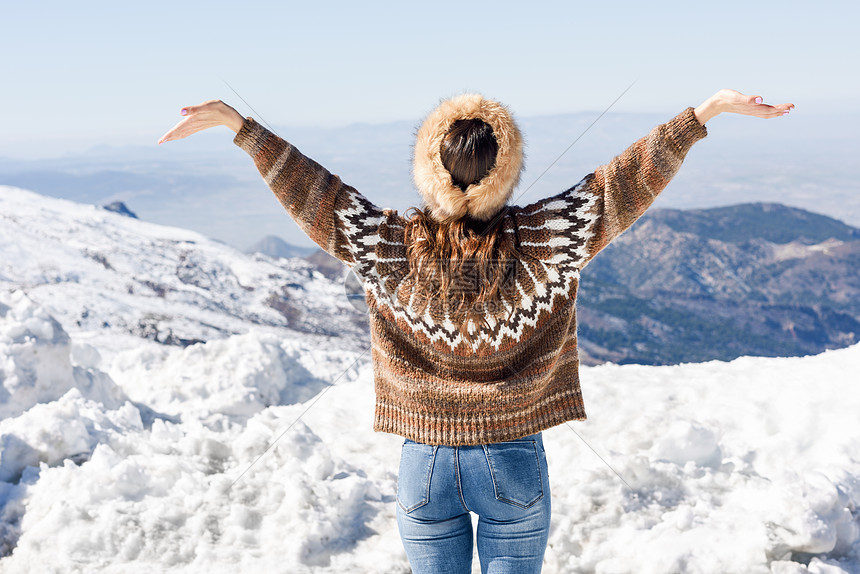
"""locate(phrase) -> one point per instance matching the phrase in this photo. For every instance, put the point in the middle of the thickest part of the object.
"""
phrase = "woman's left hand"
(734, 102)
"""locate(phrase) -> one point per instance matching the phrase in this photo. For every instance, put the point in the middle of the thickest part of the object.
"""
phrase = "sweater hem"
(470, 429)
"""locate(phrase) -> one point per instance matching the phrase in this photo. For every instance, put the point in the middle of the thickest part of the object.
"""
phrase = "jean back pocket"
(413, 478)
(515, 468)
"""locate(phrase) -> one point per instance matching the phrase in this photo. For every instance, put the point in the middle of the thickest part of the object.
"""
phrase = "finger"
(208, 105)
(176, 132)
(768, 111)
(779, 110)
(173, 133)
(772, 110)
(168, 135)
(191, 110)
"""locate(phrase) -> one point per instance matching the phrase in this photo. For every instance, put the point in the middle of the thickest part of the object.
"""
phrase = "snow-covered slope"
(108, 277)
(254, 451)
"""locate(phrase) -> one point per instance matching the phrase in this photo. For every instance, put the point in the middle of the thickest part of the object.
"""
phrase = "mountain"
(274, 246)
(115, 277)
(754, 279)
(121, 208)
(330, 266)
(771, 222)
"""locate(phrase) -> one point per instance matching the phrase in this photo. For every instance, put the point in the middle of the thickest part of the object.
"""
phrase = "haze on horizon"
(118, 73)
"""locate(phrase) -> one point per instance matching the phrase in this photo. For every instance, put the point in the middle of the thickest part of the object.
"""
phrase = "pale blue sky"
(77, 74)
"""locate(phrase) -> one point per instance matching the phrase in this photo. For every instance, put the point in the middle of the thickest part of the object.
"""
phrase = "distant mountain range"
(274, 246)
(753, 279)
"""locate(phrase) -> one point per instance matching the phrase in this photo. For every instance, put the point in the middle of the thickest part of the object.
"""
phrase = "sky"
(75, 75)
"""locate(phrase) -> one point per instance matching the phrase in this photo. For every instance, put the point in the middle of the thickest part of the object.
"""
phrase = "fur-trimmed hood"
(484, 199)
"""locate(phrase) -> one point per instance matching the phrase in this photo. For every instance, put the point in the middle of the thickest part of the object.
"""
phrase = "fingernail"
(785, 113)
(758, 100)
(184, 111)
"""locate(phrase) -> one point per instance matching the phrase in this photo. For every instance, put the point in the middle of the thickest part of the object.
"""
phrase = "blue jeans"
(505, 484)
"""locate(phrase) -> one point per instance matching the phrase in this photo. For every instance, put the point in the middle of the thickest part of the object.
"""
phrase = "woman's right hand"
(734, 102)
(203, 116)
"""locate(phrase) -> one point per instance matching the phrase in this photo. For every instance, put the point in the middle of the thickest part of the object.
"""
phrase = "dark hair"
(469, 151)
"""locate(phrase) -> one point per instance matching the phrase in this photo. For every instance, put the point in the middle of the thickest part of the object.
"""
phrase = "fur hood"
(484, 199)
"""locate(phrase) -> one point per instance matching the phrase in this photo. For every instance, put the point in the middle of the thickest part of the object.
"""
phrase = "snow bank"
(161, 499)
(86, 485)
(749, 466)
(39, 363)
(725, 467)
(55, 403)
(239, 376)
(35, 351)
(69, 427)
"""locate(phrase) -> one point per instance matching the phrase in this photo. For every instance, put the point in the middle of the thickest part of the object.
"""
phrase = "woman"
(472, 307)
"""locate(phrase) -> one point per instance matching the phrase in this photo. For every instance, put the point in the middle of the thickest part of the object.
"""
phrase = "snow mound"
(39, 363)
(162, 499)
(68, 428)
(238, 377)
(747, 466)
(85, 477)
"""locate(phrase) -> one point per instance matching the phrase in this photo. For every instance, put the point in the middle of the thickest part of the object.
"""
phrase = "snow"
(112, 280)
(253, 450)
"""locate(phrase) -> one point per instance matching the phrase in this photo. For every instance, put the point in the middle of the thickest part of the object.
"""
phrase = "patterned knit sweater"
(520, 376)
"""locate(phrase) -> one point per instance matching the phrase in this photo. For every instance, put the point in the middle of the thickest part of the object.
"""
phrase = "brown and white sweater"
(520, 375)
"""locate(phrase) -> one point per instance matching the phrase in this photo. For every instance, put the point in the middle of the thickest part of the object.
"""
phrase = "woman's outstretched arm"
(576, 224)
(630, 183)
(334, 215)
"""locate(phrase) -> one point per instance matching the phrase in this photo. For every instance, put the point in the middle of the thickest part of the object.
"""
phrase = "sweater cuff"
(251, 137)
(686, 129)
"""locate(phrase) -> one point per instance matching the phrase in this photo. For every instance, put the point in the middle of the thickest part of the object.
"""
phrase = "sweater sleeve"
(573, 226)
(334, 215)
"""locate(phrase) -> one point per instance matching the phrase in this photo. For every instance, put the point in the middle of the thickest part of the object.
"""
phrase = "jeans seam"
(457, 473)
(540, 475)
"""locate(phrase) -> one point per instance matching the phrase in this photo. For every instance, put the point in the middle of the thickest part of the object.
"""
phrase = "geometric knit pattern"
(519, 374)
